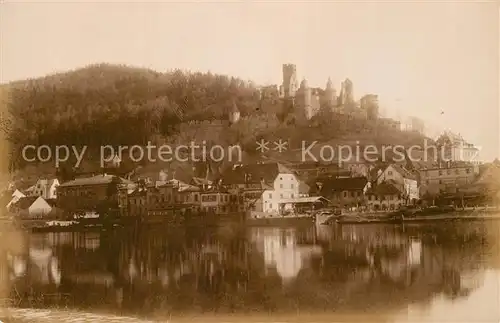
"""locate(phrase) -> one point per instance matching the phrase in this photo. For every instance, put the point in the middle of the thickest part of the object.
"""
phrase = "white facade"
(285, 186)
(411, 189)
(46, 188)
(39, 207)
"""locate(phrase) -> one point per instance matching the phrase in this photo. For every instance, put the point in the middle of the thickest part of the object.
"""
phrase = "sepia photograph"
(249, 161)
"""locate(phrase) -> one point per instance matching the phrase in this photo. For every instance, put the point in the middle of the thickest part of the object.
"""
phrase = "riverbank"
(31, 315)
(453, 216)
(279, 221)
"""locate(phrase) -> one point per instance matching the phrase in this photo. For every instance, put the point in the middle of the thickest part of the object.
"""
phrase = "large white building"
(265, 187)
(46, 188)
(454, 148)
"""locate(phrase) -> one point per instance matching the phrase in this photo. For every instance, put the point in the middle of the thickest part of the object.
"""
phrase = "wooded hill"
(120, 105)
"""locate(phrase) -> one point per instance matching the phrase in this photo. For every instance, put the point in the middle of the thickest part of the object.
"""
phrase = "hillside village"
(267, 188)
(271, 185)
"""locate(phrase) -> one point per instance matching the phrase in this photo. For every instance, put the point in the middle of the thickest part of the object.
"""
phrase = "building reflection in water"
(344, 268)
(282, 251)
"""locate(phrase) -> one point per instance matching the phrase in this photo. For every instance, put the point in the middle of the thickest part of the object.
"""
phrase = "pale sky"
(421, 58)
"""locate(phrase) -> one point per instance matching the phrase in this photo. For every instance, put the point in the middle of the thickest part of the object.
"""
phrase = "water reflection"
(348, 268)
(285, 250)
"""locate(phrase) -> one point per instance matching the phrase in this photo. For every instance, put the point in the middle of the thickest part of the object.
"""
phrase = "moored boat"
(70, 226)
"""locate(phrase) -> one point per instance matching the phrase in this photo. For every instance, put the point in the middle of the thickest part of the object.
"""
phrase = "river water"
(445, 272)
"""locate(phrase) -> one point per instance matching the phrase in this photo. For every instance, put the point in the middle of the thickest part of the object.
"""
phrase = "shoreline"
(454, 216)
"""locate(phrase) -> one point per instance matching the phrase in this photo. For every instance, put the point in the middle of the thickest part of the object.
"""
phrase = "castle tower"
(305, 94)
(347, 92)
(303, 99)
(369, 104)
(330, 93)
(289, 87)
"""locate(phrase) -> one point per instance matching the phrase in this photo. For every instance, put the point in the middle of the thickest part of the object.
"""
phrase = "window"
(291, 186)
(345, 194)
(440, 172)
(448, 172)
(281, 178)
(440, 182)
(468, 170)
(281, 185)
(291, 196)
(270, 195)
(270, 206)
(281, 196)
(389, 173)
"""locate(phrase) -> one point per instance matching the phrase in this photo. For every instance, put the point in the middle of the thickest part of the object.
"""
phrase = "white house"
(264, 186)
(46, 188)
(405, 181)
(16, 196)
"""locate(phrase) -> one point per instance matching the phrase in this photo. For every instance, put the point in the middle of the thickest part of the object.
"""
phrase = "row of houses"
(270, 188)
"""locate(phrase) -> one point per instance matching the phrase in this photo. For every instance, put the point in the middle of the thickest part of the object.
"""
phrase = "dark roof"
(215, 190)
(312, 165)
(137, 192)
(403, 171)
(254, 173)
(25, 202)
(384, 189)
(51, 202)
(344, 184)
(374, 171)
(95, 180)
(200, 181)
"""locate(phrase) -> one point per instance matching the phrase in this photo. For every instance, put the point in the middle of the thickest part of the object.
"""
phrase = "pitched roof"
(51, 202)
(403, 171)
(399, 168)
(18, 193)
(384, 189)
(344, 184)
(25, 202)
(254, 173)
(374, 172)
(95, 180)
